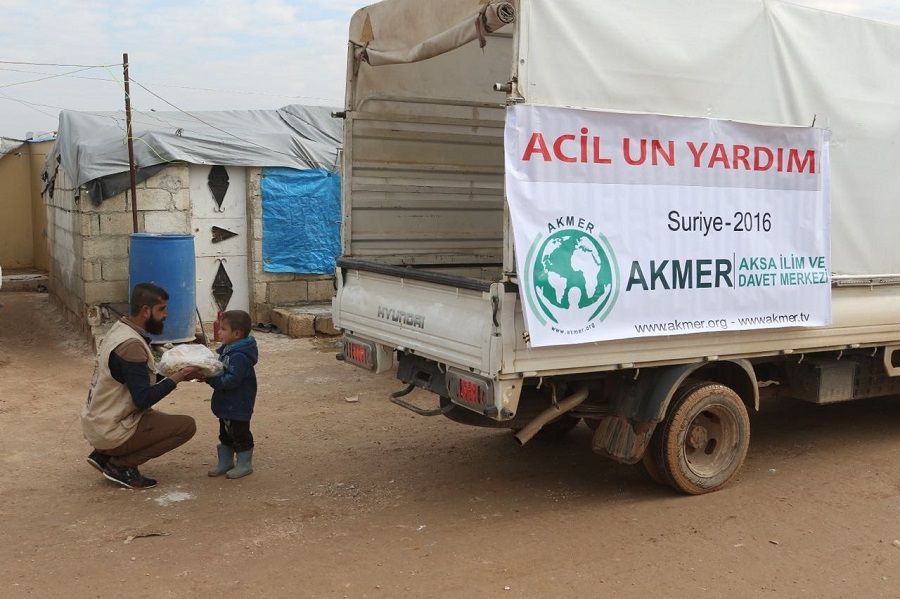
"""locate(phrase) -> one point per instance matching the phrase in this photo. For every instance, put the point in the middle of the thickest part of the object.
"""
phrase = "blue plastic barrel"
(167, 259)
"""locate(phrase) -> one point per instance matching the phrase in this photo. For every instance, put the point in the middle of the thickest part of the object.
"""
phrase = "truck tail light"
(359, 352)
(469, 390)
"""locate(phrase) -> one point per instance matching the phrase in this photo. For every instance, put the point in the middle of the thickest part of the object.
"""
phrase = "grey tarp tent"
(91, 146)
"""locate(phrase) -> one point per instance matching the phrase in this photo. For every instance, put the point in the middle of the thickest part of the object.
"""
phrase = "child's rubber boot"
(226, 461)
(244, 465)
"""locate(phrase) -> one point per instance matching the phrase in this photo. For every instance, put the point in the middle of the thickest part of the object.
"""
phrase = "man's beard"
(153, 326)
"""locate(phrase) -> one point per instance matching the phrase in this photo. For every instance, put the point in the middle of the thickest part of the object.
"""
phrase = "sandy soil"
(364, 499)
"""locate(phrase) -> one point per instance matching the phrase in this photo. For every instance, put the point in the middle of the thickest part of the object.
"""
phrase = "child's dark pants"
(236, 434)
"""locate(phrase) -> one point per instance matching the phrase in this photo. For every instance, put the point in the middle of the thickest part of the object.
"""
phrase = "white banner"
(631, 225)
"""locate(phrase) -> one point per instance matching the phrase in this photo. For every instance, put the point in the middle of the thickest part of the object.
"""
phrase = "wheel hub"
(698, 437)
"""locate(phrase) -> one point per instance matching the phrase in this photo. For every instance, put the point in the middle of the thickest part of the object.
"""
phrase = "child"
(234, 395)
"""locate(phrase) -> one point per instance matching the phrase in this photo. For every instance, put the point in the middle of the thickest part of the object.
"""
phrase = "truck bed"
(442, 316)
(478, 324)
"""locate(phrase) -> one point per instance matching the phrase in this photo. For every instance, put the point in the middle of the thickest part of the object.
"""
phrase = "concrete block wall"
(163, 203)
(65, 230)
(271, 290)
(89, 244)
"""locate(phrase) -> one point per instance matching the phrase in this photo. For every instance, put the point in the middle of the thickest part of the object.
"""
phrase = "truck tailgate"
(435, 318)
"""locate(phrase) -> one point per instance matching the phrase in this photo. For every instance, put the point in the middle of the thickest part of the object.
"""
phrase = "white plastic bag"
(190, 355)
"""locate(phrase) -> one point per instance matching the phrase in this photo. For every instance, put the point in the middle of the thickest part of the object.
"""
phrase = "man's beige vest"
(109, 417)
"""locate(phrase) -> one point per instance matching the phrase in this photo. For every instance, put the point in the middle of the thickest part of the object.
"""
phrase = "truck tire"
(701, 444)
(649, 467)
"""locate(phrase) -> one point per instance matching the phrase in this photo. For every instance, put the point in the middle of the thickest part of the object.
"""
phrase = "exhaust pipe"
(551, 413)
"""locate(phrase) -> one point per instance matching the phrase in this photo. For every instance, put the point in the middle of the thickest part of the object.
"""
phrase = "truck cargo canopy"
(759, 61)
(402, 32)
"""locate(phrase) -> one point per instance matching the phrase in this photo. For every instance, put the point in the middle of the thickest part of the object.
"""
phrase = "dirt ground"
(365, 499)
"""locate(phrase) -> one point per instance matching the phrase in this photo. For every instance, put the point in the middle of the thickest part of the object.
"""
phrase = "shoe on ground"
(128, 477)
(225, 461)
(98, 460)
(243, 465)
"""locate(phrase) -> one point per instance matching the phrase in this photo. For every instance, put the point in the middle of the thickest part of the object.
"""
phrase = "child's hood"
(246, 346)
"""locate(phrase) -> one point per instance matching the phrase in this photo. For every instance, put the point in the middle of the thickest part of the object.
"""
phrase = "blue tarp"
(301, 220)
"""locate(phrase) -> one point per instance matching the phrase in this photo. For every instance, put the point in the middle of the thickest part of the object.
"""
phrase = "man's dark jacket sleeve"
(136, 376)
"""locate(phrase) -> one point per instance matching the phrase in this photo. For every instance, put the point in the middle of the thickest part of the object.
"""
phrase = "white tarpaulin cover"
(629, 225)
(92, 145)
(489, 17)
(758, 61)
(8, 145)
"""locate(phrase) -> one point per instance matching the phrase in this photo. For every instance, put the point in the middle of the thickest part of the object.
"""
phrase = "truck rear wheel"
(702, 442)
(648, 465)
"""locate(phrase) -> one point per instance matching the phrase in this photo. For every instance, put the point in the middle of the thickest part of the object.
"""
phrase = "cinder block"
(116, 203)
(166, 222)
(321, 290)
(94, 248)
(99, 292)
(302, 325)
(90, 271)
(270, 277)
(114, 270)
(171, 179)
(325, 325)
(180, 171)
(261, 312)
(90, 224)
(287, 292)
(260, 293)
(116, 223)
(280, 318)
(154, 199)
(181, 199)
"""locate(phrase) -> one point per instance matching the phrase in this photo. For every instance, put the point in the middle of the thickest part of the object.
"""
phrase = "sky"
(196, 54)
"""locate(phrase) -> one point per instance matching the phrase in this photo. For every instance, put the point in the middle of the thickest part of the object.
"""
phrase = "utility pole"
(130, 135)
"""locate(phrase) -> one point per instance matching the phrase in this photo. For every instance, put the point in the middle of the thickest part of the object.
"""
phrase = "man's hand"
(185, 374)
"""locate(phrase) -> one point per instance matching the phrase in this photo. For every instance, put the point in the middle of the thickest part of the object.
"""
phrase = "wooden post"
(130, 135)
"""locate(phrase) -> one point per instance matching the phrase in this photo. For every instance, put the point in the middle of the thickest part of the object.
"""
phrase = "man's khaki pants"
(157, 433)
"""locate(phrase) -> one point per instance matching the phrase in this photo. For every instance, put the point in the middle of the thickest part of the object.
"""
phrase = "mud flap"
(621, 439)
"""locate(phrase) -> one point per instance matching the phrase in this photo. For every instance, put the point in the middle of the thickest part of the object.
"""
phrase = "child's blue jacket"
(234, 392)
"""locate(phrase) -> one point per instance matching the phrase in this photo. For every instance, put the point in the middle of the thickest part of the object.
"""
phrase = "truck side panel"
(862, 317)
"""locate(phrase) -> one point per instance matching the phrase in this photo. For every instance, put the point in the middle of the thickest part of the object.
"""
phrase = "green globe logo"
(573, 277)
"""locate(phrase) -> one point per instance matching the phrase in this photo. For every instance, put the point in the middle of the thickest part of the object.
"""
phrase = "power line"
(47, 77)
(245, 92)
(57, 74)
(119, 120)
(54, 64)
(188, 87)
(26, 104)
(195, 117)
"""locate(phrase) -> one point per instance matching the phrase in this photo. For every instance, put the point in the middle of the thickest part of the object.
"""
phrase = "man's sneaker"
(130, 478)
(98, 460)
